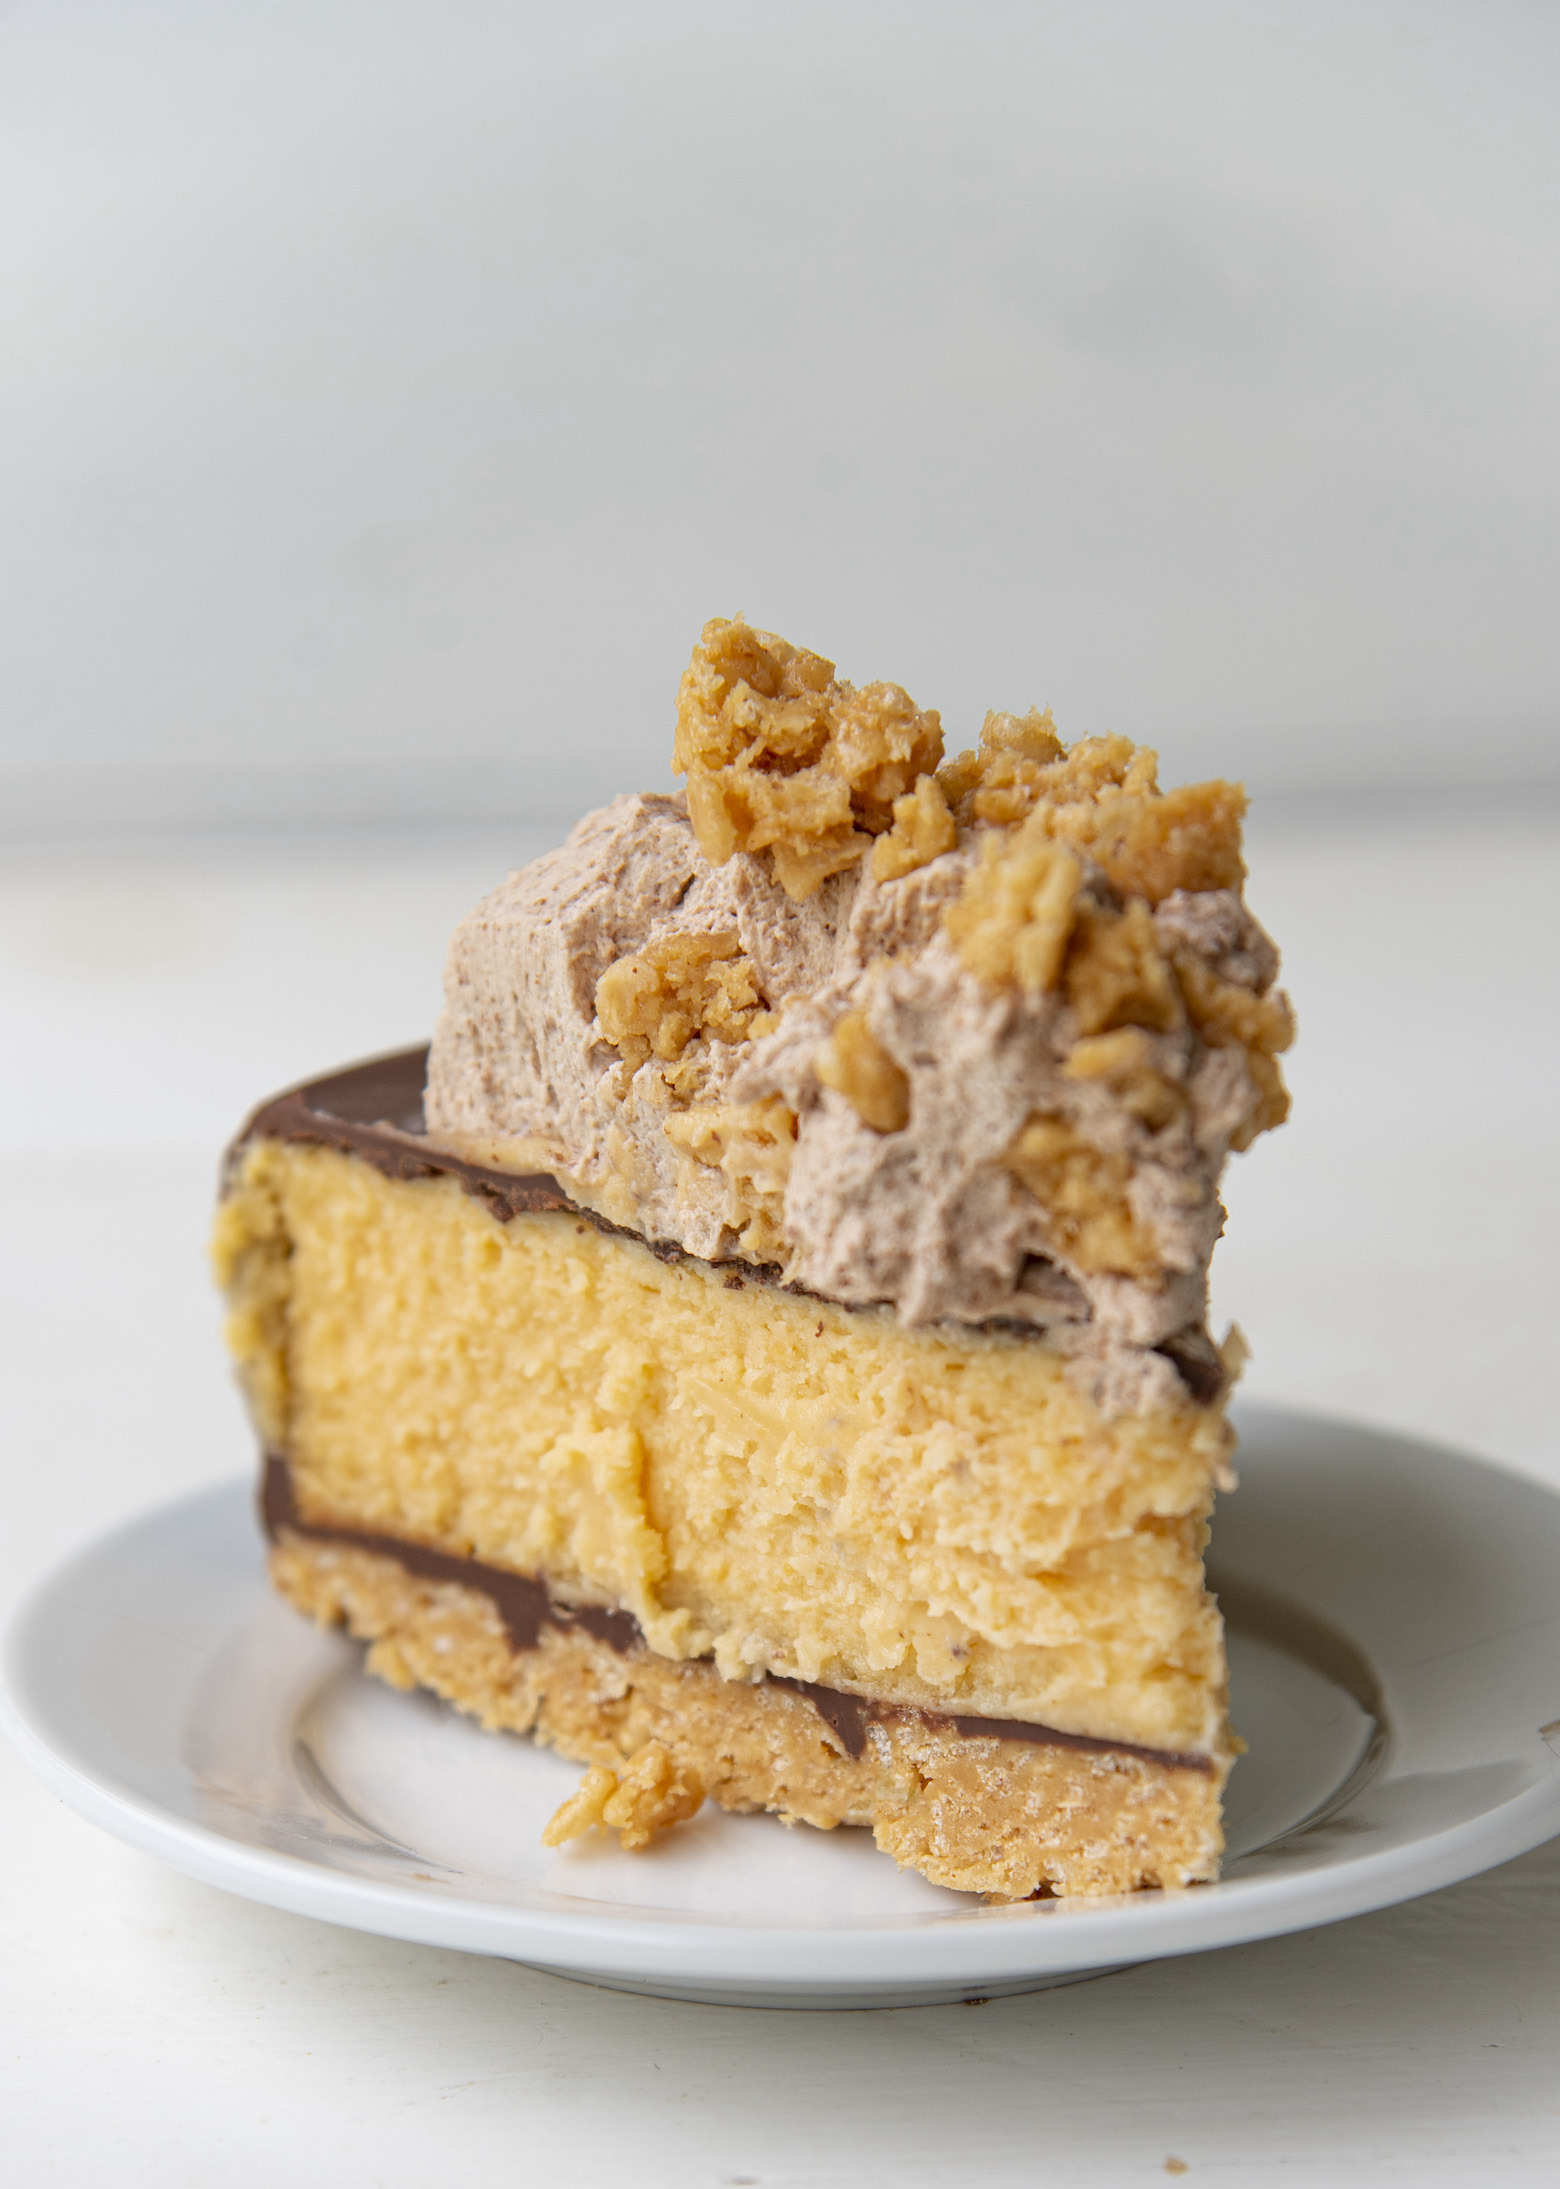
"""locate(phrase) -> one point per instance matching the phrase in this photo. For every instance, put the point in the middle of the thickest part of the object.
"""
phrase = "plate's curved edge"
(1255, 1417)
(1038, 1942)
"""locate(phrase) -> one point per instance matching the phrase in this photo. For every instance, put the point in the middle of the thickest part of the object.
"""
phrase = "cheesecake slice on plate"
(760, 1350)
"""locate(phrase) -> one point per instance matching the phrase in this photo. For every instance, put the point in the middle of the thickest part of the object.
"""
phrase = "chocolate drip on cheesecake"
(526, 1606)
(375, 1112)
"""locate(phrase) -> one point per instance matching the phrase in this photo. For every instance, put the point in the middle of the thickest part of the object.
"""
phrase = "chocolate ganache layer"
(525, 1606)
(374, 1111)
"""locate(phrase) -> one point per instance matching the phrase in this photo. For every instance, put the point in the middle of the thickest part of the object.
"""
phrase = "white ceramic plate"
(1395, 1642)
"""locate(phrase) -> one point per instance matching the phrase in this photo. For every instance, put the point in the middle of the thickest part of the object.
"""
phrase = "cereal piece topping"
(855, 1064)
(780, 755)
(752, 1142)
(1102, 798)
(1151, 844)
(1272, 1100)
(675, 990)
(1117, 974)
(1225, 1012)
(1001, 782)
(1124, 1061)
(923, 830)
(1083, 1191)
(1012, 920)
(1022, 763)
(1227, 1015)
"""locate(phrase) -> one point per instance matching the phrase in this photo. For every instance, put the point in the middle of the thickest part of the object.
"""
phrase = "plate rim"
(860, 1957)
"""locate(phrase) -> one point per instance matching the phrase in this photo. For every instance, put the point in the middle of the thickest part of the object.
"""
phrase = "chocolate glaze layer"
(526, 1605)
(375, 1111)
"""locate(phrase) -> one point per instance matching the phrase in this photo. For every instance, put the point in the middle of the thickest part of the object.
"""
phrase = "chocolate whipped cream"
(928, 1219)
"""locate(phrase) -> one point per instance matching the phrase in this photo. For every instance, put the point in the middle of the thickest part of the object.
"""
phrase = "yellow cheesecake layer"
(766, 1480)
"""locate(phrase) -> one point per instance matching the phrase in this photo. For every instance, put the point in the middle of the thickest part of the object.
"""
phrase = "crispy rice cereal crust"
(1004, 1818)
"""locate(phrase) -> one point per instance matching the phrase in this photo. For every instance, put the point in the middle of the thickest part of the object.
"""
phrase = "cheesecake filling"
(778, 1484)
(526, 1605)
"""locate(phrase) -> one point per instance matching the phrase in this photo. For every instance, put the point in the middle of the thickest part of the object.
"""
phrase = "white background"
(390, 391)
(389, 394)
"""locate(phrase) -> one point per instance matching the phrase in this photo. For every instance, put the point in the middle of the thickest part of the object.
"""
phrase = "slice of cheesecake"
(765, 1356)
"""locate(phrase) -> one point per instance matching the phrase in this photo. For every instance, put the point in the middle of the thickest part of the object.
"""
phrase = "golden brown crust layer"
(1006, 1818)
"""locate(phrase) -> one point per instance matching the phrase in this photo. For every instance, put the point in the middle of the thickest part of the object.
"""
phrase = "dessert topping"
(1083, 1191)
(855, 1064)
(781, 756)
(752, 1144)
(1012, 920)
(923, 830)
(675, 989)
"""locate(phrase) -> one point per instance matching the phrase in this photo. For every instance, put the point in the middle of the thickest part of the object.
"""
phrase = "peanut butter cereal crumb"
(1098, 765)
(1102, 798)
(1152, 842)
(1117, 975)
(1016, 754)
(653, 1793)
(780, 755)
(676, 989)
(1032, 736)
(959, 779)
(923, 830)
(1235, 1353)
(1083, 1190)
(1012, 920)
(1124, 1060)
(573, 1818)
(1272, 1100)
(1001, 782)
(855, 1064)
(1227, 1015)
(752, 1142)
(1223, 1012)
(1022, 763)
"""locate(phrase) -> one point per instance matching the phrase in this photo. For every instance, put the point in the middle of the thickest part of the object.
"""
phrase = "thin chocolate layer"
(525, 1606)
(375, 1111)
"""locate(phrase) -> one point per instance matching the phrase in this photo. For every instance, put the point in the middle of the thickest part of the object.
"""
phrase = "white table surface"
(1391, 1256)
